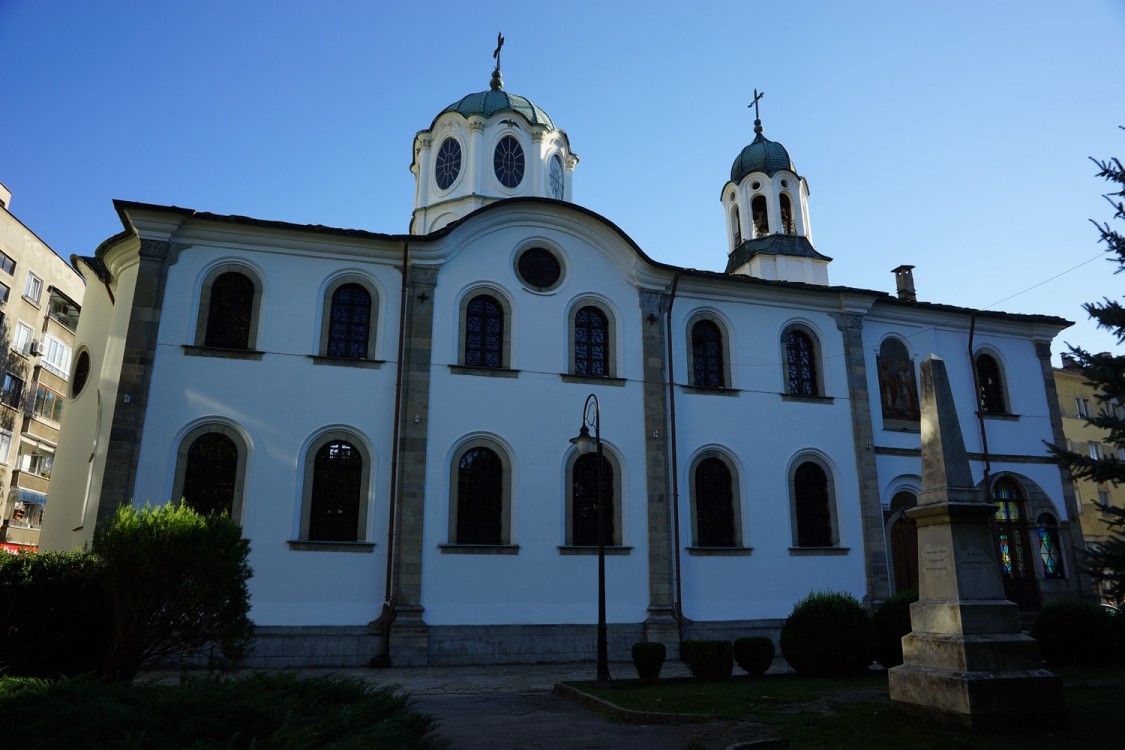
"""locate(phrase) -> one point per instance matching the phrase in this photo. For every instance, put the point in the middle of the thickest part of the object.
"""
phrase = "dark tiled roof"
(763, 155)
(773, 244)
(488, 103)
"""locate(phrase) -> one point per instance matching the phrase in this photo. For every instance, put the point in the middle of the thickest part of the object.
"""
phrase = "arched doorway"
(1012, 534)
(902, 537)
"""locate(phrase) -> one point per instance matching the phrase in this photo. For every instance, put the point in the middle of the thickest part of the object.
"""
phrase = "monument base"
(1005, 700)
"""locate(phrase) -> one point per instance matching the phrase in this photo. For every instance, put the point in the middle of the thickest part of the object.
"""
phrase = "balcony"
(30, 481)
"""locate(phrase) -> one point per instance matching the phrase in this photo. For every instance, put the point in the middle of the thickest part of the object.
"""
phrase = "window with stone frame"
(480, 497)
(812, 506)
(714, 505)
(991, 384)
(349, 322)
(591, 342)
(584, 501)
(337, 486)
(211, 474)
(484, 332)
(230, 311)
(801, 377)
(708, 369)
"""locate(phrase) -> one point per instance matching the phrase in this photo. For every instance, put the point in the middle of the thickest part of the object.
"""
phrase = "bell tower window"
(787, 215)
(736, 226)
(759, 217)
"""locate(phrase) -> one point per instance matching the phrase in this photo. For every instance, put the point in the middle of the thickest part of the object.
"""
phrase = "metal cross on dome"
(499, 44)
(753, 104)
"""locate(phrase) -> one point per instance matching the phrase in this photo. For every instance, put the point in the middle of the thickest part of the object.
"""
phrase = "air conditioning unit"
(36, 349)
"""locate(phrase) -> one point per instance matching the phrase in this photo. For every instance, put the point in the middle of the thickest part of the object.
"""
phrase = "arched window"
(211, 474)
(800, 364)
(349, 322)
(584, 501)
(1050, 552)
(708, 368)
(787, 225)
(591, 342)
(484, 332)
(1010, 527)
(714, 505)
(898, 389)
(812, 507)
(480, 493)
(230, 311)
(736, 225)
(759, 216)
(337, 485)
(991, 385)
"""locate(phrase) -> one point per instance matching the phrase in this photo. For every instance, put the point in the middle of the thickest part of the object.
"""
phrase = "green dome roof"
(763, 155)
(488, 103)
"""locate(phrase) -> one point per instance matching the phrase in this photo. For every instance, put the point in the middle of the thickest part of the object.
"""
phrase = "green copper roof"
(488, 103)
(773, 244)
(763, 155)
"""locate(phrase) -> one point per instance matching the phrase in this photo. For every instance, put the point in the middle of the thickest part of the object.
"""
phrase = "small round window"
(448, 164)
(508, 163)
(81, 373)
(539, 269)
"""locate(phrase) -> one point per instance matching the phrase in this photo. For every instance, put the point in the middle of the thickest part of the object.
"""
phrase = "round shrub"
(708, 660)
(648, 658)
(828, 634)
(892, 622)
(754, 655)
(1075, 631)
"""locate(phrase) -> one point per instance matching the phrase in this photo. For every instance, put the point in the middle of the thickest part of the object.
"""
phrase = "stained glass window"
(1050, 553)
(714, 504)
(584, 500)
(336, 487)
(707, 355)
(508, 162)
(1010, 529)
(210, 474)
(479, 497)
(814, 526)
(800, 364)
(484, 332)
(230, 311)
(591, 337)
(350, 322)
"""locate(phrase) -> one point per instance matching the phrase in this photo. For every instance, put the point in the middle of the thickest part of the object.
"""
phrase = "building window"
(7, 265)
(800, 363)
(211, 474)
(708, 368)
(812, 506)
(1095, 451)
(56, 356)
(591, 342)
(480, 493)
(715, 517)
(11, 391)
(33, 288)
(898, 389)
(349, 322)
(1010, 528)
(759, 216)
(48, 404)
(337, 484)
(448, 163)
(584, 501)
(1050, 552)
(787, 225)
(5, 290)
(228, 308)
(21, 341)
(37, 461)
(484, 332)
(991, 385)
(63, 309)
(1082, 405)
(5, 446)
(81, 373)
(736, 225)
(1103, 499)
(508, 162)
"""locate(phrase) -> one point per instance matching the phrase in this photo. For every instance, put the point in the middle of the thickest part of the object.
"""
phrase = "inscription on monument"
(935, 557)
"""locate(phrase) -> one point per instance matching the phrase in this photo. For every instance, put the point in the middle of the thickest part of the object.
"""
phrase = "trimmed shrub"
(708, 660)
(828, 634)
(754, 655)
(177, 582)
(892, 622)
(55, 619)
(1075, 631)
(648, 658)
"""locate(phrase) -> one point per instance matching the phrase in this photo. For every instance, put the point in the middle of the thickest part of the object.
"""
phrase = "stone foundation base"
(1015, 699)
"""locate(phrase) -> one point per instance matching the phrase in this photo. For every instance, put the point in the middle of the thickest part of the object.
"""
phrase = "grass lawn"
(856, 713)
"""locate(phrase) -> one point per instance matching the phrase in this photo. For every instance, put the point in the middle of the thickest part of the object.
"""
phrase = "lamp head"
(584, 442)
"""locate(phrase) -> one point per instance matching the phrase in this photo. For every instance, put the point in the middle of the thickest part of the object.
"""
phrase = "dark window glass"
(336, 487)
(707, 355)
(508, 162)
(539, 268)
(714, 504)
(479, 497)
(230, 311)
(448, 164)
(484, 332)
(81, 373)
(11, 392)
(584, 501)
(991, 388)
(591, 339)
(800, 364)
(814, 526)
(211, 474)
(7, 265)
(350, 323)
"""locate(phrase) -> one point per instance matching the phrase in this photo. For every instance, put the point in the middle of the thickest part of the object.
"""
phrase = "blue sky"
(950, 135)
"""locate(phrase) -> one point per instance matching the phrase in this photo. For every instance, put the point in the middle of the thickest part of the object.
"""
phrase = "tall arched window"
(759, 216)
(714, 505)
(991, 385)
(787, 225)
(230, 311)
(1011, 531)
(1050, 552)
(484, 332)
(708, 368)
(736, 225)
(812, 507)
(591, 342)
(584, 501)
(349, 324)
(211, 474)
(800, 364)
(480, 492)
(337, 485)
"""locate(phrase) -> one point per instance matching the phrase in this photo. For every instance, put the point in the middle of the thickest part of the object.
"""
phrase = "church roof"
(762, 155)
(488, 103)
(773, 244)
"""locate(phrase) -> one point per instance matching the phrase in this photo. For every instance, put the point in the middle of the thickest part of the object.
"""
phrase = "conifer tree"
(1106, 562)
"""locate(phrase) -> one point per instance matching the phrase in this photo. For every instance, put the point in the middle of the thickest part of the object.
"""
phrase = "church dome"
(763, 155)
(488, 103)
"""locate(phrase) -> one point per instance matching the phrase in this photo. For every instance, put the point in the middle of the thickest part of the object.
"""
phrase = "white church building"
(388, 416)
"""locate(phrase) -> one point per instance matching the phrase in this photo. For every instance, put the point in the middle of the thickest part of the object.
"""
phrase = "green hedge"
(828, 634)
(892, 622)
(1075, 631)
(648, 658)
(708, 660)
(754, 655)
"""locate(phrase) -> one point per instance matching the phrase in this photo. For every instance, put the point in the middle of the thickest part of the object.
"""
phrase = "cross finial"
(499, 44)
(497, 82)
(757, 116)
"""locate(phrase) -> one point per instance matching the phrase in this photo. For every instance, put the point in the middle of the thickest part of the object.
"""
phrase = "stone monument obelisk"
(966, 660)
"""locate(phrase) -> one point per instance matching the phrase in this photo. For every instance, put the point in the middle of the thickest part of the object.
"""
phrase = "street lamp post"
(591, 417)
